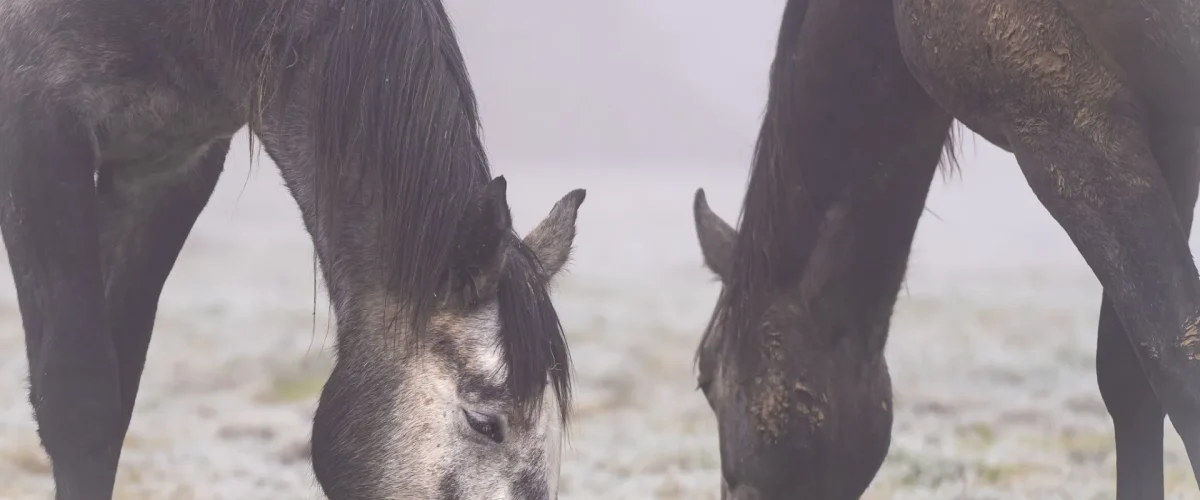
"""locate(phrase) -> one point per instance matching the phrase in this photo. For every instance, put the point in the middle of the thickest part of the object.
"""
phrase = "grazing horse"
(792, 360)
(1096, 101)
(452, 377)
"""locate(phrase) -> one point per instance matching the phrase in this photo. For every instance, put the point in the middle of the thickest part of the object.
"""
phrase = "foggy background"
(640, 102)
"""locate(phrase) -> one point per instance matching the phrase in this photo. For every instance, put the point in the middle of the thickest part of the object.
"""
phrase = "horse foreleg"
(144, 222)
(1115, 205)
(48, 216)
(1024, 69)
(1136, 413)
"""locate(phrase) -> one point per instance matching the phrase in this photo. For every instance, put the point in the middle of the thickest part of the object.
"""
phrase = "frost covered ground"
(991, 350)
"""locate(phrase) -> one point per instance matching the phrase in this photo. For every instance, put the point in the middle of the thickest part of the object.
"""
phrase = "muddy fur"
(1096, 99)
(452, 379)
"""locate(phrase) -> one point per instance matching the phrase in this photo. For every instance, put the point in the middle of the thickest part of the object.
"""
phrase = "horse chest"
(160, 128)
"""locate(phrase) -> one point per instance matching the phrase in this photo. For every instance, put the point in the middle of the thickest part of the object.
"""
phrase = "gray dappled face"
(444, 420)
(456, 431)
(457, 435)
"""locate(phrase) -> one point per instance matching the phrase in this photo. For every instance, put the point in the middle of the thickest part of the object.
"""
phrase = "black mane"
(769, 250)
(781, 219)
(531, 334)
(406, 125)
(394, 123)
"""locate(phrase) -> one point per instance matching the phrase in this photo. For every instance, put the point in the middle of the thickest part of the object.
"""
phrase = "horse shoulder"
(140, 96)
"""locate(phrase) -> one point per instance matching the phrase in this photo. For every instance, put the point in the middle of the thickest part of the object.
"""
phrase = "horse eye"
(486, 425)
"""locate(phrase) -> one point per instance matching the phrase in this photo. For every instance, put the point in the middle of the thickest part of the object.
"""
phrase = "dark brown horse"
(1094, 98)
(452, 375)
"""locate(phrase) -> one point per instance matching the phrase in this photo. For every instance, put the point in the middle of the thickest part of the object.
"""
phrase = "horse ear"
(482, 244)
(716, 237)
(552, 238)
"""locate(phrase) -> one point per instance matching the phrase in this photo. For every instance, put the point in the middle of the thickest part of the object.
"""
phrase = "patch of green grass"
(1081, 443)
(978, 436)
(1010, 473)
(29, 458)
(132, 489)
(921, 471)
(1076, 442)
(1179, 480)
(294, 387)
(135, 441)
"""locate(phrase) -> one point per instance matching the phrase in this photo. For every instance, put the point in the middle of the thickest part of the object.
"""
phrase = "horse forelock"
(531, 335)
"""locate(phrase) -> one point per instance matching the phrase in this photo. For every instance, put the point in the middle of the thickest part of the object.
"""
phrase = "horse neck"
(373, 128)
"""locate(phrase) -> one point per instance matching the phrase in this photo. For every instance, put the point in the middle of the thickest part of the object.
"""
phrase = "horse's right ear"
(482, 243)
(716, 237)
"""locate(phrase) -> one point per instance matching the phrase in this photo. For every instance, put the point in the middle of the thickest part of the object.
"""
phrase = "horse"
(792, 359)
(1098, 105)
(452, 375)
(1092, 98)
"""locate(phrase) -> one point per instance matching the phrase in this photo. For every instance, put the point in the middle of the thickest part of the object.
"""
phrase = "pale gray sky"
(618, 80)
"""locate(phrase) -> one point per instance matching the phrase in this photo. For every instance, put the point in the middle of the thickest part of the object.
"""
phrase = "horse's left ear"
(482, 243)
(717, 237)
(552, 238)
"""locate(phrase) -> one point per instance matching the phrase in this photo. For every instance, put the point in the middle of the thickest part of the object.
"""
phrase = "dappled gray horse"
(1098, 102)
(452, 376)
